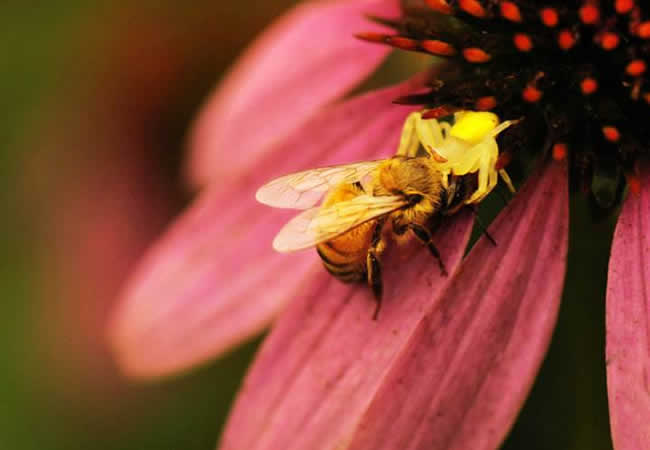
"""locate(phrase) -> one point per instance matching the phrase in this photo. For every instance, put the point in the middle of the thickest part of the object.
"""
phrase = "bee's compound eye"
(414, 199)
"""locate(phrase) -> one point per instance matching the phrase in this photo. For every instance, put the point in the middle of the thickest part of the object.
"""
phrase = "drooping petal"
(432, 369)
(468, 368)
(304, 61)
(214, 279)
(326, 357)
(628, 319)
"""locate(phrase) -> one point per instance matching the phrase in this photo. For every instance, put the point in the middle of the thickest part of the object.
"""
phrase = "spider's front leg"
(416, 131)
(409, 141)
(430, 135)
(506, 179)
(487, 173)
(504, 175)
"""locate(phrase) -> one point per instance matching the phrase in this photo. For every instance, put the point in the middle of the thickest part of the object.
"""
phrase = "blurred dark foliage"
(99, 98)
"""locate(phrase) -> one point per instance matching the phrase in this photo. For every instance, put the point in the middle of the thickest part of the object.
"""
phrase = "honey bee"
(364, 201)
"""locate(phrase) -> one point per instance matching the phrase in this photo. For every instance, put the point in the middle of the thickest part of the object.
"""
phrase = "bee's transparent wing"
(302, 190)
(317, 225)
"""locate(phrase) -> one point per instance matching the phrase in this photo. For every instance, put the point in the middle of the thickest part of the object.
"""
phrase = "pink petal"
(628, 319)
(214, 279)
(328, 377)
(326, 358)
(468, 368)
(305, 60)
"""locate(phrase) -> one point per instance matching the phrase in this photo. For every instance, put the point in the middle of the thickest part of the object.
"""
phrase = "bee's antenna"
(482, 227)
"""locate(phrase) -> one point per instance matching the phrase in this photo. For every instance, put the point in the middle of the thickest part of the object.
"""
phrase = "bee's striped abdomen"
(345, 256)
(348, 271)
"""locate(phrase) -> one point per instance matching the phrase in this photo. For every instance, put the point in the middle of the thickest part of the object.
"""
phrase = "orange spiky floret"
(579, 68)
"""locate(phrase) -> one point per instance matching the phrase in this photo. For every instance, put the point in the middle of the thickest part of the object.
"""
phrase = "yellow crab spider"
(467, 146)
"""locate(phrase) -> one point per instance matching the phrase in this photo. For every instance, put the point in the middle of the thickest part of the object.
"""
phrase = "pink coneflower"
(451, 359)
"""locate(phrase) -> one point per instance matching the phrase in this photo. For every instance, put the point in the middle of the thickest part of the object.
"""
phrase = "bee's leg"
(434, 224)
(373, 265)
(450, 191)
(423, 235)
(374, 281)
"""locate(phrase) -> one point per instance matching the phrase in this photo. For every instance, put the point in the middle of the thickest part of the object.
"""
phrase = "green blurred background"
(98, 99)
